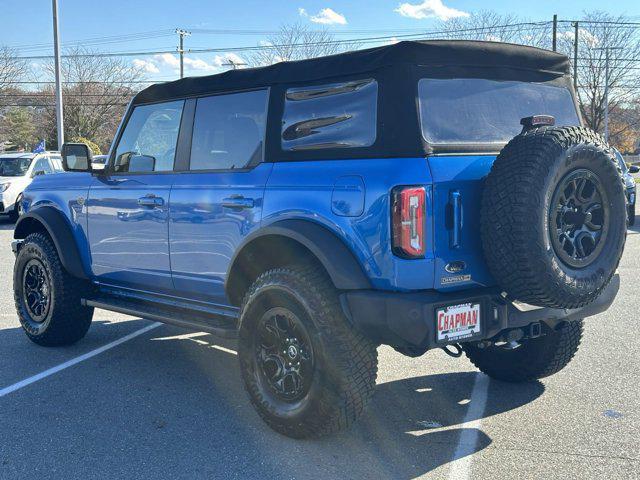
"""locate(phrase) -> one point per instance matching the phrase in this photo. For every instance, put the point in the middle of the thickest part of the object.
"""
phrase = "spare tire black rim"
(579, 218)
(284, 354)
(36, 290)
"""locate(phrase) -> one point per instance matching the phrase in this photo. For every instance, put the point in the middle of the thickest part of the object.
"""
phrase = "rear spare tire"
(553, 219)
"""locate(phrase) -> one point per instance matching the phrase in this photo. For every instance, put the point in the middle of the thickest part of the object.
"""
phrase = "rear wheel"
(533, 359)
(47, 298)
(307, 371)
(632, 215)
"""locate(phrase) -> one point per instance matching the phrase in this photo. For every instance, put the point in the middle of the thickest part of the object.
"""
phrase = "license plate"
(458, 322)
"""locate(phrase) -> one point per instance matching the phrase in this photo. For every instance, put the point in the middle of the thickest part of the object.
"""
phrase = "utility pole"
(607, 57)
(56, 48)
(554, 41)
(575, 56)
(182, 34)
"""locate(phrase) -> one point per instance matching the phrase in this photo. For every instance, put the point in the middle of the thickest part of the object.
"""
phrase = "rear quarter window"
(472, 110)
(336, 115)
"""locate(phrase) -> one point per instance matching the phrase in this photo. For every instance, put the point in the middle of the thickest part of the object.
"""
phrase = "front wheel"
(15, 214)
(533, 359)
(306, 370)
(48, 299)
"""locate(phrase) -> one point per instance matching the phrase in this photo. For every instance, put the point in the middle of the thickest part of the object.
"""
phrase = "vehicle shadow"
(171, 404)
(6, 224)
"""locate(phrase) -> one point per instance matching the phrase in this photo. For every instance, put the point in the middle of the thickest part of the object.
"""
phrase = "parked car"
(17, 171)
(630, 185)
(439, 194)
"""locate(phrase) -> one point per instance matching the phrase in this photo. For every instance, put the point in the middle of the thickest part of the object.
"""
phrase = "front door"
(128, 205)
(217, 200)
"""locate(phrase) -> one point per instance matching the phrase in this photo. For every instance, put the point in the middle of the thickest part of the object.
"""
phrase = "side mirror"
(37, 173)
(76, 157)
(634, 169)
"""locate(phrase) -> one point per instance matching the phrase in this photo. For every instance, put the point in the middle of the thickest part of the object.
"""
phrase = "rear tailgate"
(457, 193)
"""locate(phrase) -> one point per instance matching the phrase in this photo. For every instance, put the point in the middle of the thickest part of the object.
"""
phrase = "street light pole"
(56, 48)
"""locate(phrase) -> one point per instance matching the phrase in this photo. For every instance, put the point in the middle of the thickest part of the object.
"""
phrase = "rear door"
(216, 199)
(128, 205)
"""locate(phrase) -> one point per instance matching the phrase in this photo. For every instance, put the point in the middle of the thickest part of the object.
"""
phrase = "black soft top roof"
(452, 55)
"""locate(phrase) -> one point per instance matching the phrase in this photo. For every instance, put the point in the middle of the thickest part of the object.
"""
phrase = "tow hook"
(455, 353)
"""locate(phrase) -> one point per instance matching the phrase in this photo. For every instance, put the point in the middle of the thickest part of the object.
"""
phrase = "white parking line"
(462, 458)
(76, 360)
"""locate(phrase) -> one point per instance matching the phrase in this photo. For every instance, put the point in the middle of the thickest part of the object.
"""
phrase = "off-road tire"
(14, 215)
(535, 358)
(346, 361)
(516, 214)
(66, 320)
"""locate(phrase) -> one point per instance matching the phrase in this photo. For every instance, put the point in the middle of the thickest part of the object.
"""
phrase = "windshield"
(14, 167)
(473, 110)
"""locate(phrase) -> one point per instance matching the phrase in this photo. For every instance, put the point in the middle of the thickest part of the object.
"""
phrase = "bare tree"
(96, 91)
(297, 42)
(491, 26)
(12, 70)
(598, 32)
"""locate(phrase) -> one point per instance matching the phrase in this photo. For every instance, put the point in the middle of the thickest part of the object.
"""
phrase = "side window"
(337, 115)
(42, 165)
(148, 143)
(228, 131)
(56, 163)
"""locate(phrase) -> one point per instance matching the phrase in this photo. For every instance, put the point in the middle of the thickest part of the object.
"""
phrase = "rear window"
(471, 110)
(336, 115)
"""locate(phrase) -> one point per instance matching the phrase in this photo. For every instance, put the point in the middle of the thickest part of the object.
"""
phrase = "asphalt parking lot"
(166, 403)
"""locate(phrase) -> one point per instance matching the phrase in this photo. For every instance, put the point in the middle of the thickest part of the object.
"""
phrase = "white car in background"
(16, 172)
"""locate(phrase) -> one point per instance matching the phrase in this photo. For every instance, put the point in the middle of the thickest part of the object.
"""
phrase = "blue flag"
(40, 148)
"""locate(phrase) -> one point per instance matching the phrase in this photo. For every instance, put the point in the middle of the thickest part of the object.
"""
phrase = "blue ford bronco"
(422, 195)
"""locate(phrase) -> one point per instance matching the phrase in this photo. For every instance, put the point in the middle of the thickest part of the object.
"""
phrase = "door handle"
(150, 201)
(238, 202)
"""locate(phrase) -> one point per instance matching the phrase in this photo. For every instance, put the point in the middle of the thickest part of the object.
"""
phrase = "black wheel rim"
(284, 354)
(579, 218)
(36, 289)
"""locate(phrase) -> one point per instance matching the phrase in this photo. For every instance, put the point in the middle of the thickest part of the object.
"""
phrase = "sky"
(27, 24)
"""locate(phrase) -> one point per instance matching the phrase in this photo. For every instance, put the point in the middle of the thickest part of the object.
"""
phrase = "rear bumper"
(407, 320)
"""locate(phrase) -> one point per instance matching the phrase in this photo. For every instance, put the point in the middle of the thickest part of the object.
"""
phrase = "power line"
(425, 34)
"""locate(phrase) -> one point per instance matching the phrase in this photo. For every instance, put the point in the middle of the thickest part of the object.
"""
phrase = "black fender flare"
(345, 270)
(59, 229)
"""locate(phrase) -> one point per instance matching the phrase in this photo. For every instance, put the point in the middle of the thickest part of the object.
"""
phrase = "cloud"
(146, 65)
(583, 36)
(167, 59)
(429, 9)
(326, 16)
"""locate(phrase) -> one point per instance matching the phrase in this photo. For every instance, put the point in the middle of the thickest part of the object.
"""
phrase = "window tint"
(148, 143)
(473, 110)
(228, 131)
(337, 115)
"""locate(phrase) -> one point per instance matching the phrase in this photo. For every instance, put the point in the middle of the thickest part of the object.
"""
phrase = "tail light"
(408, 217)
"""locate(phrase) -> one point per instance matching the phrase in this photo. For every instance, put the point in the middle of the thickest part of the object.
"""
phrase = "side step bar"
(219, 324)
